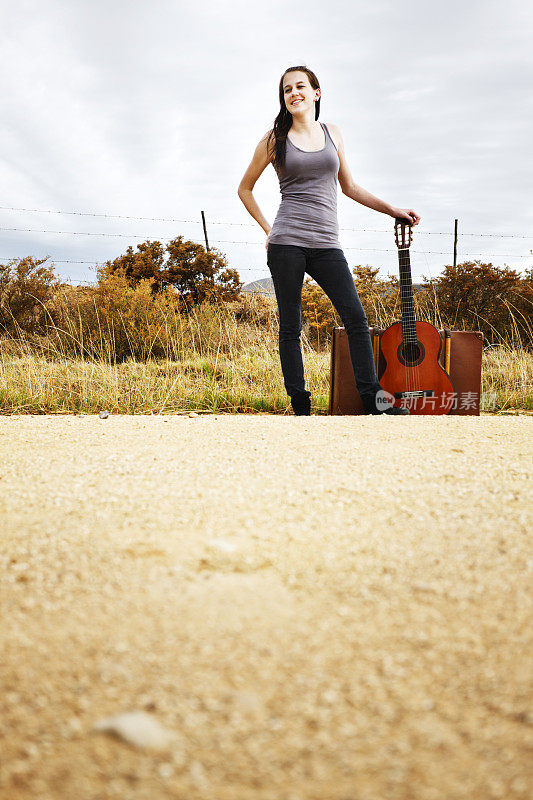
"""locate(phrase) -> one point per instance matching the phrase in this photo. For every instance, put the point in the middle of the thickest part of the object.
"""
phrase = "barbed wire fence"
(202, 221)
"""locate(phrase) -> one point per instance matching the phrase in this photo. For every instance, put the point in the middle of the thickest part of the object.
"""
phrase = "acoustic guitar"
(411, 349)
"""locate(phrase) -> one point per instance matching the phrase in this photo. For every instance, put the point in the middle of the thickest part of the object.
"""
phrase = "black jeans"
(328, 267)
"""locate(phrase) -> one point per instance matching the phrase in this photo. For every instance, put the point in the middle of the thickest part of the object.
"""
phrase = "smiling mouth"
(295, 102)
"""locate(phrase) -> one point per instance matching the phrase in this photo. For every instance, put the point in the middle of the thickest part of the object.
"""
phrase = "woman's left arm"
(360, 195)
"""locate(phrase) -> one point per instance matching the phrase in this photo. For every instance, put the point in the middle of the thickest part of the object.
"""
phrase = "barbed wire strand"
(245, 224)
(234, 241)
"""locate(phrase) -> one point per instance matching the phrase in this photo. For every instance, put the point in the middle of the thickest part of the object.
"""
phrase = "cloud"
(156, 113)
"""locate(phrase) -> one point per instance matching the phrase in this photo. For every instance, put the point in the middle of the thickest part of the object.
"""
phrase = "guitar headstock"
(402, 233)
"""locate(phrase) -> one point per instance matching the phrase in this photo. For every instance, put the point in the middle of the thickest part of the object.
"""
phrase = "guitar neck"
(406, 297)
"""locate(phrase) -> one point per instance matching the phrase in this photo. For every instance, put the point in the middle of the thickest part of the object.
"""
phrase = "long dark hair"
(283, 121)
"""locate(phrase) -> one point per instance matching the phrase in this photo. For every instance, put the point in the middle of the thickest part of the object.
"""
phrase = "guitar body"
(412, 373)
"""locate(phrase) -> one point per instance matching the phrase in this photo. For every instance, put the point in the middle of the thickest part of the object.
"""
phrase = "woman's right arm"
(258, 164)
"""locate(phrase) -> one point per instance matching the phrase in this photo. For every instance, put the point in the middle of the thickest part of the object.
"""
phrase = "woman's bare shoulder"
(335, 133)
(263, 155)
(266, 137)
(267, 143)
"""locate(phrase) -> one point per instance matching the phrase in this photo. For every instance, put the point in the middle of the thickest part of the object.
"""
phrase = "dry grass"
(219, 358)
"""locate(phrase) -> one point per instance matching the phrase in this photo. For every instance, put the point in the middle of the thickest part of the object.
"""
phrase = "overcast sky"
(154, 109)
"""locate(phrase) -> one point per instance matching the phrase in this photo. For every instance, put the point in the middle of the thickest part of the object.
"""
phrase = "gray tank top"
(307, 215)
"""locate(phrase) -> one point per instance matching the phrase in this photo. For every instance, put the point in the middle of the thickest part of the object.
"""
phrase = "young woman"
(308, 157)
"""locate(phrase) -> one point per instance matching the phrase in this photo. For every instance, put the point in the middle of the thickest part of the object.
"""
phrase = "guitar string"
(417, 371)
(413, 373)
(404, 303)
(400, 241)
(407, 336)
(405, 322)
(407, 277)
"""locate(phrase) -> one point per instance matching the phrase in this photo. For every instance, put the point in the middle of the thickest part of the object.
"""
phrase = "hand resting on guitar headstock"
(406, 213)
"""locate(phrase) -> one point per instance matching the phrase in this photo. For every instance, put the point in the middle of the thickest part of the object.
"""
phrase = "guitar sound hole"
(411, 354)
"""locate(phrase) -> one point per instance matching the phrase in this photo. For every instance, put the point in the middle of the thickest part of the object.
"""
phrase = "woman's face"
(298, 93)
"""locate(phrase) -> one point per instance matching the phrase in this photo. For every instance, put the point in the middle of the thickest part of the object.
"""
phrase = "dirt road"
(311, 607)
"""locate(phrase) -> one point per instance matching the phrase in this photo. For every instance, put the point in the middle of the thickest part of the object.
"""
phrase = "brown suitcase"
(464, 369)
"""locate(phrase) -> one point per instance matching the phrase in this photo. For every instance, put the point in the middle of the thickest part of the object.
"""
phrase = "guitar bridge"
(415, 393)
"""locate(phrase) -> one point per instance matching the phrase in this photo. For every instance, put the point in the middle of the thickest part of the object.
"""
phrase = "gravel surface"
(270, 607)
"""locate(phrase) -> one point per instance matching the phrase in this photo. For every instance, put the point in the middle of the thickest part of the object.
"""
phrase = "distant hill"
(266, 285)
(263, 285)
